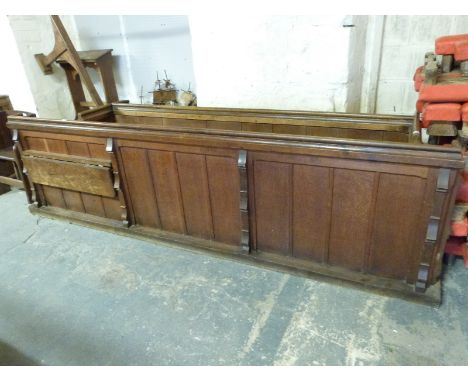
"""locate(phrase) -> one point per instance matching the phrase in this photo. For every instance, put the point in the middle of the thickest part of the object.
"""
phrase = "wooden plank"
(98, 151)
(195, 194)
(54, 197)
(394, 229)
(112, 208)
(55, 146)
(165, 177)
(93, 204)
(71, 176)
(289, 129)
(224, 125)
(140, 187)
(312, 190)
(78, 148)
(34, 143)
(257, 127)
(73, 201)
(352, 196)
(224, 182)
(179, 122)
(67, 158)
(273, 206)
(57, 149)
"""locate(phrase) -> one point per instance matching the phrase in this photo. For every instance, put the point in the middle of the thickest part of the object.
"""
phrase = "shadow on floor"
(9, 356)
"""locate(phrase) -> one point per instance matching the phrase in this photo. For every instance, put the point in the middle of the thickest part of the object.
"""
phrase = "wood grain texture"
(322, 203)
(394, 225)
(273, 206)
(164, 173)
(71, 176)
(140, 187)
(312, 187)
(352, 195)
(224, 184)
(195, 194)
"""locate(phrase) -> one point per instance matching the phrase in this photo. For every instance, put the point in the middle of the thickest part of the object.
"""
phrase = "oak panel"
(54, 196)
(352, 196)
(312, 196)
(140, 187)
(273, 206)
(165, 177)
(399, 200)
(224, 182)
(73, 176)
(195, 194)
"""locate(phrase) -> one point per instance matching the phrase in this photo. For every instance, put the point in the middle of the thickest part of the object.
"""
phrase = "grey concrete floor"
(70, 295)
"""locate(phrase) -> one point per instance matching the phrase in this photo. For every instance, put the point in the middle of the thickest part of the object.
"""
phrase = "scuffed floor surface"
(75, 296)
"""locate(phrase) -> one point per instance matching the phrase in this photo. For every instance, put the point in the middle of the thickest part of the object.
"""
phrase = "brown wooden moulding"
(259, 186)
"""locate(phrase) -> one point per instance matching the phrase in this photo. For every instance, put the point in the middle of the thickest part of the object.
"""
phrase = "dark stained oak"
(347, 196)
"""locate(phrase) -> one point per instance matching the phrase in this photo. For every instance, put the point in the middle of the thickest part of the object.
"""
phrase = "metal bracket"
(423, 275)
(244, 205)
(432, 229)
(443, 180)
(109, 145)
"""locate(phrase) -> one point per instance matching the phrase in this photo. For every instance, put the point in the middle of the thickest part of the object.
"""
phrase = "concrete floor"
(75, 296)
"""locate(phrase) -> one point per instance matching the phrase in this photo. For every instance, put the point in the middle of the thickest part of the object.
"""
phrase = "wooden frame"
(259, 185)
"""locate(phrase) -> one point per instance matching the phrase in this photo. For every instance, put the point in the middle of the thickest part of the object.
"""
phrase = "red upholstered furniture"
(444, 93)
(433, 112)
(456, 45)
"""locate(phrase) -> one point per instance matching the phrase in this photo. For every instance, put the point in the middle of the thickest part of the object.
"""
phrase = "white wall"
(291, 62)
(288, 62)
(13, 81)
(143, 45)
(33, 35)
(405, 41)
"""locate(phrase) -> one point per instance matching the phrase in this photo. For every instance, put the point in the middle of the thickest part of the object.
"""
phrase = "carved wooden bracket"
(432, 233)
(64, 49)
(115, 170)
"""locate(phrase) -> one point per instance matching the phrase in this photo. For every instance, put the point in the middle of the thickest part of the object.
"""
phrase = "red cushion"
(464, 112)
(461, 51)
(452, 45)
(444, 93)
(441, 112)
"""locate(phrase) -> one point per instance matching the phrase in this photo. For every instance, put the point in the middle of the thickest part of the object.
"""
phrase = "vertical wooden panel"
(77, 148)
(112, 208)
(224, 182)
(289, 129)
(56, 146)
(93, 204)
(54, 196)
(195, 194)
(166, 183)
(34, 143)
(395, 224)
(140, 187)
(352, 200)
(272, 206)
(312, 195)
(98, 151)
(257, 127)
(224, 125)
(72, 199)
